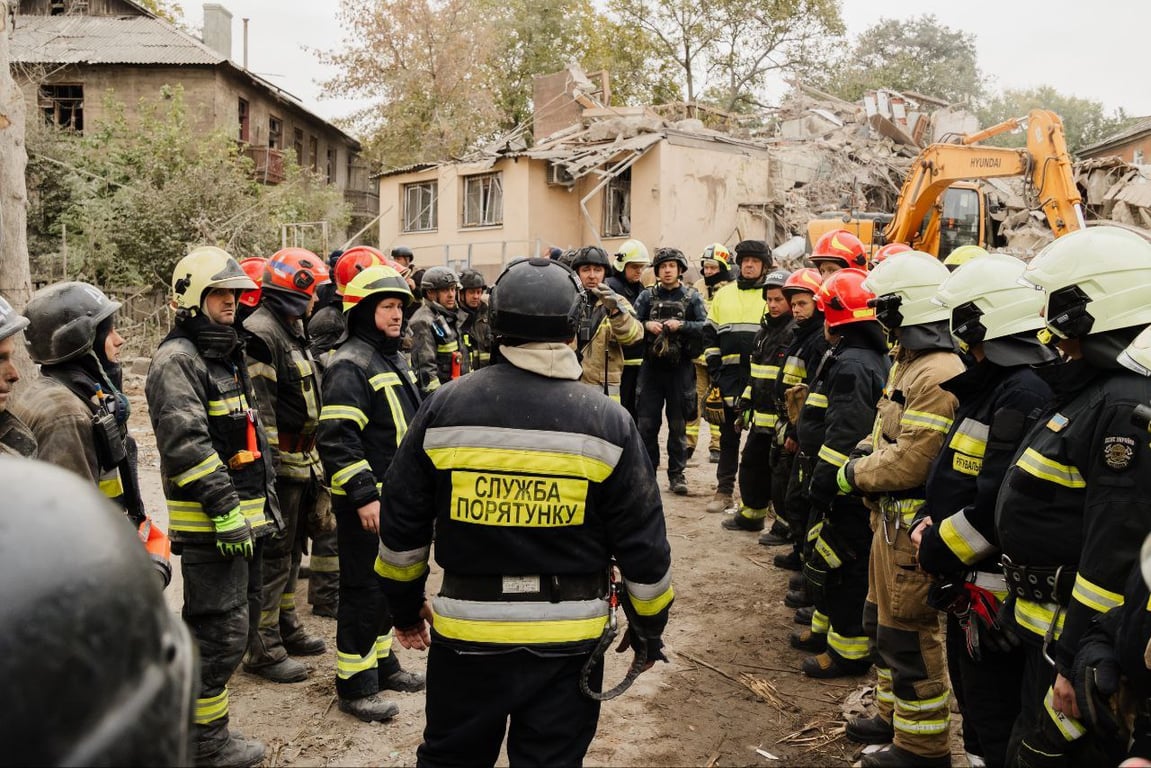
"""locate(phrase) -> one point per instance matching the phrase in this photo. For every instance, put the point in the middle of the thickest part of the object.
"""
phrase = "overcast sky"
(1096, 50)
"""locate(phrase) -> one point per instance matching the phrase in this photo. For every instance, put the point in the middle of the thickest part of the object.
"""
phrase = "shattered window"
(63, 105)
(420, 206)
(617, 206)
(483, 200)
(960, 222)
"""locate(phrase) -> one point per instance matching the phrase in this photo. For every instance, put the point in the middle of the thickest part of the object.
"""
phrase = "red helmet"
(295, 270)
(253, 267)
(843, 299)
(807, 279)
(842, 246)
(354, 261)
(888, 250)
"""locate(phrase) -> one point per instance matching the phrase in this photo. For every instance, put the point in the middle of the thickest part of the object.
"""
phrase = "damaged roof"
(1140, 127)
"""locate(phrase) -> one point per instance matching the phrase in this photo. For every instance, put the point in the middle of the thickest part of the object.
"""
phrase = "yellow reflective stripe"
(433, 385)
(188, 516)
(794, 370)
(384, 645)
(349, 664)
(759, 371)
(926, 420)
(520, 632)
(381, 380)
(847, 647)
(288, 601)
(1094, 596)
(970, 438)
(111, 486)
(517, 460)
(654, 605)
(711, 351)
(962, 538)
(211, 708)
(827, 553)
(766, 420)
(451, 346)
(816, 400)
(400, 572)
(349, 412)
(253, 511)
(341, 492)
(324, 563)
(341, 477)
(198, 472)
(1036, 617)
(732, 359)
(228, 405)
(399, 423)
(633, 361)
(263, 370)
(1070, 728)
(820, 623)
(920, 727)
(1037, 465)
(923, 705)
(832, 457)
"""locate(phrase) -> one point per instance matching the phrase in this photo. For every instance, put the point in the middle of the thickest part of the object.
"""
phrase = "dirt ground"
(727, 636)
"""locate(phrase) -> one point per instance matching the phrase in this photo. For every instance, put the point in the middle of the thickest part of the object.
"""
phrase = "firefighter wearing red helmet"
(328, 322)
(253, 267)
(836, 250)
(837, 414)
(885, 252)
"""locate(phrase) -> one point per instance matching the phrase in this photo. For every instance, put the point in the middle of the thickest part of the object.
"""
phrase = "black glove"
(1096, 680)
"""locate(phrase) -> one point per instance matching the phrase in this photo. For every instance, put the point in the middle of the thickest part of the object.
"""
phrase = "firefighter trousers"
(628, 382)
(364, 655)
(756, 473)
(324, 561)
(780, 477)
(699, 424)
(988, 694)
(671, 389)
(473, 699)
(842, 600)
(909, 642)
(221, 608)
(725, 470)
(796, 504)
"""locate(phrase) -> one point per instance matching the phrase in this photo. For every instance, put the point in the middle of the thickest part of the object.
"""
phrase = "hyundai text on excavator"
(942, 206)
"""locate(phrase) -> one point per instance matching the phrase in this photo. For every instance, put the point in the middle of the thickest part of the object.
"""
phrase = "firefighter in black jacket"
(838, 413)
(530, 499)
(1076, 502)
(370, 397)
(757, 408)
(438, 352)
(630, 261)
(997, 319)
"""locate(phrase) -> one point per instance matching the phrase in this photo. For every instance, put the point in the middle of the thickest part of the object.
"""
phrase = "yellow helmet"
(205, 268)
(631, 252)
(962, 255)
(378, 279)
(716, 252)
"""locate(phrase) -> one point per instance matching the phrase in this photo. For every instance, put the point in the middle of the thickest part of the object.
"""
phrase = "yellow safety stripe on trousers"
(288, 601)
(766, 420)
(816, 400)
(228, 405)
(926, 420)
(693, 428)
(931, 727)
(759, 371)
(349, 664)
(110, 484)
(324, 563)
(263, 370)
(408, 565)
(832, 457)
(1094, 596)
(970, 438)
(883, 691)
(1037, 465)
(1036, 617)
(827, 553)
(519, 623)
(211, 708)
(752, 513)
(650, 599)
(853, 648)
(349, 412)
(820, 623)
(794, 370)
(932, 704)
(534, 451)
(711, 352)
(384, 645)
(341, 477)
(962, 538)
(904, 509)
(1070, 728)
(451, 346)
(189, 516)
(201, 470)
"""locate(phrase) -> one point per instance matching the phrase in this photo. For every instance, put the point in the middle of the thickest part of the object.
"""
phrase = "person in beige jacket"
(607, 324)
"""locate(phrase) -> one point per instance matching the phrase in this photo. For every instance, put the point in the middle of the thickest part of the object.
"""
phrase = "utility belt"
(549, 588)
(1040, 583)
(292, 443)
(993, 582)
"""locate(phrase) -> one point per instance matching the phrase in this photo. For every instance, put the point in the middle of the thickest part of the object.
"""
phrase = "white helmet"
(1095, 280)
(631, 252)
(987, 302)
(905, 285)
(203, 269)
(1137, 356)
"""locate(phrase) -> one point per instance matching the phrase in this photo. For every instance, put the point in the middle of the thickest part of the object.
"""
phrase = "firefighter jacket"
(530, 498)
(477, 332)
(682, 303)
(805, 350)
(15, 438)
(732, 322)
(767, 357)
(436, 348)
(370, 396)
(602, 339)
(913, 417)
(200, 404)
(632, 354)
(287, 386)
(708, 293)
(1077, 497)
(325, 327)
(995, 404)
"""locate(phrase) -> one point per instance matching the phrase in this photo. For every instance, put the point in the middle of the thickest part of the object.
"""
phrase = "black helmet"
(99, 670)
(402, 252)
(10, 322)
(472, 278)
(536, 300)
(438, 279)
(669, 254)
(776, 278)
(62, 320)
(756, 249)
(591, 254)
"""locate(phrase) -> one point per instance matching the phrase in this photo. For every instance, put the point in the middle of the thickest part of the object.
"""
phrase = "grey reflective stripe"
(571, 443)
(739, 328)
(980, 546)
(405, 558)
(994, 582)
(649, 591)
(475, 610)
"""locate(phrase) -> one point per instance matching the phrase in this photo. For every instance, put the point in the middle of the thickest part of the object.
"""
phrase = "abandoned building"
(1132, 144)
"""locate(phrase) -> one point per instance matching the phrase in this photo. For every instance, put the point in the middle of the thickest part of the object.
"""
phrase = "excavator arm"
(1044, 162)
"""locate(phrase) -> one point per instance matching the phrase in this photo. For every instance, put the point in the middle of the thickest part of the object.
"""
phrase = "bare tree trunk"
(15, 277)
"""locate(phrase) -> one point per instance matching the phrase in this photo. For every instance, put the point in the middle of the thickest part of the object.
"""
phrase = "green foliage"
(134, 194)
(165, 9)
(1084, 121)
(917, 54)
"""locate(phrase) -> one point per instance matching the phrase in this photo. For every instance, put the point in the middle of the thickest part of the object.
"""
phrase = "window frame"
(489, 198)
(244, 115)
(616, 218)
(52, 105)
(275, 132)
(431, 207)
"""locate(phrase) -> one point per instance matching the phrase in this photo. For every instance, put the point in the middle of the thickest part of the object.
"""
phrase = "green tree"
(1084, 121)
(165, 9)
(917, 54)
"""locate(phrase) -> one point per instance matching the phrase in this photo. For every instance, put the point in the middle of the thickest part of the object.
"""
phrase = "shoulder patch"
(1058, 422)
(1118, 452)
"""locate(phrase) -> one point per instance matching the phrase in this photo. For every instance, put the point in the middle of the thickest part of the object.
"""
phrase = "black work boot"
(796, 581)
(813, 642)
(803, 615)
(233, 750)
(286, 670)
(327, 610)
(797, 598)
(789, 562)
(296, 639)
(895, 757)
(373, 708)
(403, 681)
(777, 535)
(824, 666)
(870, 730)
(677, 485)
(738, 522)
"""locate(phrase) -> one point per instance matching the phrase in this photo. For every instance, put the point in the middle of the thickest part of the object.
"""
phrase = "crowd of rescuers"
(950, 456)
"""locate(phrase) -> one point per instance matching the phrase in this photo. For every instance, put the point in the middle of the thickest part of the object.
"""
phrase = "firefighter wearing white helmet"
(996, 319)
(1076, 502)
(631, 259)
(15, 437)
(913, 418)
(715, 266)
(218, 480)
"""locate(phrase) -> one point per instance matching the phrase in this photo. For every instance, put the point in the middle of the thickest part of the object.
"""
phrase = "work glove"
(743, 417)
(844, 477)
(1096, 681)
(860, 450)
(607, 297)
(233, 535)
(713, 411)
